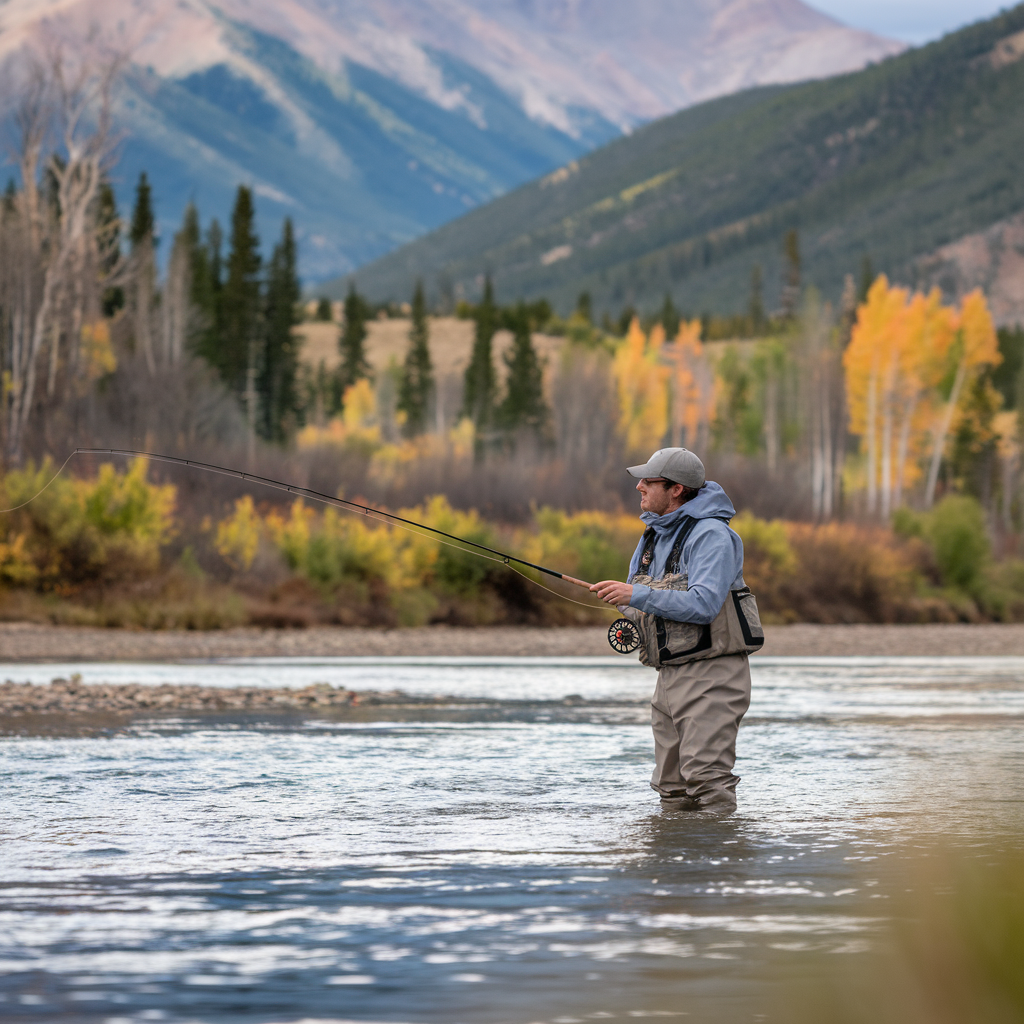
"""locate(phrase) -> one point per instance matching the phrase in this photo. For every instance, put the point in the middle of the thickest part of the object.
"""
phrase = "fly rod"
(306, 492)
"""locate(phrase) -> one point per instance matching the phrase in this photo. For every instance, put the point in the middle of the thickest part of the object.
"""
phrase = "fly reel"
(623, 636)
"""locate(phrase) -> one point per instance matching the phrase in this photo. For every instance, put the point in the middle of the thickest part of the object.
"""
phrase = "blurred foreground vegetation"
(117, 549)
(950, 951)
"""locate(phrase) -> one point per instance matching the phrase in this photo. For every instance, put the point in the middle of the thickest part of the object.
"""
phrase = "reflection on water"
(497, 863)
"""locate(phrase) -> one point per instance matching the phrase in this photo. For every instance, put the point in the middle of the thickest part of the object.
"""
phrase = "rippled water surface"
(500, 858)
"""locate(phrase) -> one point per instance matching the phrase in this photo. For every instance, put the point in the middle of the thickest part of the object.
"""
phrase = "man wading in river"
(698, 622)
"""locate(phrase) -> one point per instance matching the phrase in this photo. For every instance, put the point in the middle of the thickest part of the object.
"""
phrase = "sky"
(914, 21)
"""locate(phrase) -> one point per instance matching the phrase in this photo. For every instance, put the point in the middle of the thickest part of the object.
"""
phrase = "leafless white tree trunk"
(56, 233)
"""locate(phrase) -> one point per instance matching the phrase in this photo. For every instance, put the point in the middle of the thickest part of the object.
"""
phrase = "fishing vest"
(736, 628)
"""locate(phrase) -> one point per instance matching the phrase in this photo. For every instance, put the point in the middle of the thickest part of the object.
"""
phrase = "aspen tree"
(976, 345)
(692, 385)
(641, 382)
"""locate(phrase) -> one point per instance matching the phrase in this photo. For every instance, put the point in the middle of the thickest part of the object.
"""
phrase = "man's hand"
(613, 592)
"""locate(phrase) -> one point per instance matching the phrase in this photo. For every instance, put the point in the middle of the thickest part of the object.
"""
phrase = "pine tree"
(324, 313)
(791, 283)
(108, 241)
(352, 343)
(416, 390)
(279, 364)
(867, 278)
(756, 309)
(584, 307)
(239, 335)
(523, 405)
(143, 227)
(669, 317)
(207, 294)
(478, 399)
(143, 291)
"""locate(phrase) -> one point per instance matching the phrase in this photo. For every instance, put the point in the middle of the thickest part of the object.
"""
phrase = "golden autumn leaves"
(663, 385)
(907, 365)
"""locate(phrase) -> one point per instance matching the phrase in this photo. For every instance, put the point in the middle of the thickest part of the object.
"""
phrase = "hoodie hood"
(711, 503)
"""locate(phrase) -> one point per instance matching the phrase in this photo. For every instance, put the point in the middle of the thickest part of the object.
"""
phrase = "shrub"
(767, 555)
(957, 534)
(83, 531)
(238, 537)
(589, 545)
(454, 570)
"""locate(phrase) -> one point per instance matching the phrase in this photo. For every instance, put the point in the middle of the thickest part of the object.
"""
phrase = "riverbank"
(21, 641)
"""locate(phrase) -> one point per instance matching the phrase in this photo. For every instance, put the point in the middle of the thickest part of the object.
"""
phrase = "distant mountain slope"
(891, 162)
(371, 121)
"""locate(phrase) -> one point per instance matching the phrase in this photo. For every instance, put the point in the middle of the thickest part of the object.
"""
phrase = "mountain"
(371, 121)
(891, 163)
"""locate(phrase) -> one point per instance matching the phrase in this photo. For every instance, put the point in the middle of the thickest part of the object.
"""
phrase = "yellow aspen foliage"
(356, 426)
(291, 535)
(975, 345)
(238, 536)
(641, 382)
(693, 386)
(97, 352)
(902, 349)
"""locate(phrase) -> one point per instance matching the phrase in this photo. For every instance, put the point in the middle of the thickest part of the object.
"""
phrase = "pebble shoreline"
(25, 641)
(71, 696)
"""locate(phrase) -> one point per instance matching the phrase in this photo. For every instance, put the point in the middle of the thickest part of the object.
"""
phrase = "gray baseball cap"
(679, 465)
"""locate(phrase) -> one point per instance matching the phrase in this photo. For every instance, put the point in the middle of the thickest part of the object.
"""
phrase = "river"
(499, 858)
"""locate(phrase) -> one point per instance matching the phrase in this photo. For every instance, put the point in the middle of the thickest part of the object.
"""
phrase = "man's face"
(658, 496)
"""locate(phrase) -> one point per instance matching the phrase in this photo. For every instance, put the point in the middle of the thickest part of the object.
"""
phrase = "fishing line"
(378, 515)
(43, 488)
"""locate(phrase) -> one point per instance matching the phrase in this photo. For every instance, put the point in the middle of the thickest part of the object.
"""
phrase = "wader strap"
(646, 554)
(675, 557)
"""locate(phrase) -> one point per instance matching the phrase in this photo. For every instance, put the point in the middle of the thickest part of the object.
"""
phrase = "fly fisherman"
(697, 621)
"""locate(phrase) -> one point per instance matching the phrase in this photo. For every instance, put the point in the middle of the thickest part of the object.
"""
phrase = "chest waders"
(736, 628)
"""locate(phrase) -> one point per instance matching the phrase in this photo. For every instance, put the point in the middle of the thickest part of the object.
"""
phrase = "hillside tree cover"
(888, 163)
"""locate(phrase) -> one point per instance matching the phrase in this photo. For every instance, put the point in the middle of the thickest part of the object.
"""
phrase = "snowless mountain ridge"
(405, 112)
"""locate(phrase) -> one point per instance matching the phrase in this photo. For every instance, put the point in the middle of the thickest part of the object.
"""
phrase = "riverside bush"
(589, 545)
(298, 565)
(958, 535)
(78, 532)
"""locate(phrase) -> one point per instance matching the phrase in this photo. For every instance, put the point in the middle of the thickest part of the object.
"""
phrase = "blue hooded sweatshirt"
(712, 557)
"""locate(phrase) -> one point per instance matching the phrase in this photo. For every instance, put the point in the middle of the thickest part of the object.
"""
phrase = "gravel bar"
(72, 696)
(31, 642)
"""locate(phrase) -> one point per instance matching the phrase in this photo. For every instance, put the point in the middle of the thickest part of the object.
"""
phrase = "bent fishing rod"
(351, 506)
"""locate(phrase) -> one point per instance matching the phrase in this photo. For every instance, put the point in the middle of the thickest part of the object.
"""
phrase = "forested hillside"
(887, 163)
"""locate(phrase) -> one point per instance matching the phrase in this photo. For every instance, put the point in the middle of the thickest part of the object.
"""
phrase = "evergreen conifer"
(791, 282)
(239, 334)
(478, 400)
(523, 405)
(279, 364)
(756, 309)
(143, 228)
(108, 240)
(417, 386)
(669, 316)
(352, 343)
(142, 292)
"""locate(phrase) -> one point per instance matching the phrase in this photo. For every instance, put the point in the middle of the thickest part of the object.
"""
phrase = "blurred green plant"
(958, 534)
(83, 531)
(950, 953)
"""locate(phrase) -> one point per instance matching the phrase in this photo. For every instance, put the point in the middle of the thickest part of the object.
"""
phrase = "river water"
(500, 858)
